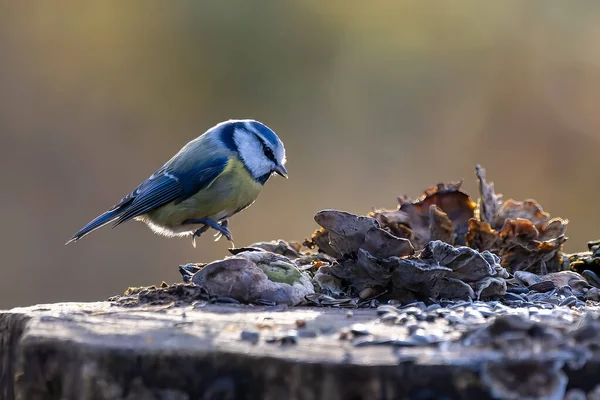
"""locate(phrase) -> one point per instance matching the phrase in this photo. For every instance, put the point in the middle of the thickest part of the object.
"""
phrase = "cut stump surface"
(215, 351)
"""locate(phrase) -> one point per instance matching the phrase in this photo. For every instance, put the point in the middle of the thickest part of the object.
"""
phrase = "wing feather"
(162, 189)
(166, 186)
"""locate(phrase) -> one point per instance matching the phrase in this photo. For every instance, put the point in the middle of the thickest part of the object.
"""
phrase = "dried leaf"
(480, 235)
(363, 272)
(320, 239)
(528, 209)
(396, 222)
(415, 275)
(451, 288)
(442, 270)
(412, 220)
(489, 287)
(489, 202)
(537, 257)
(553, 229)
(440, 226)
(375, 252)
(382, 244)
(465, 263)
(517, 232)
(346, 232)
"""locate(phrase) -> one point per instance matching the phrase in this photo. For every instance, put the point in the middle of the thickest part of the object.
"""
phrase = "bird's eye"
(268, 152)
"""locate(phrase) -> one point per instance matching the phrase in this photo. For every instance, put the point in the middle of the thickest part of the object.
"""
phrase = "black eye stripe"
(269, 153)
(266, 149)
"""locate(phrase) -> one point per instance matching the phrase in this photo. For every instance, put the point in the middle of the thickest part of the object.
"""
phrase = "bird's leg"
(210, 223)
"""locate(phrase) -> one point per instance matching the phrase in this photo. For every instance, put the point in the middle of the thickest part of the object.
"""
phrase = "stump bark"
(102, 351)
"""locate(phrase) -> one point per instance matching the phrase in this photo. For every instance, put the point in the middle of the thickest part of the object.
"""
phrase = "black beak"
(280, 170)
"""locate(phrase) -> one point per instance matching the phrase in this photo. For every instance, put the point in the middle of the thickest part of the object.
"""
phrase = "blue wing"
(170, 183)
(157, 190)
(166, 186)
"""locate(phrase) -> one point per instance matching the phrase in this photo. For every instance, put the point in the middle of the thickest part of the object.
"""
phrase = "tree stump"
(215, 351)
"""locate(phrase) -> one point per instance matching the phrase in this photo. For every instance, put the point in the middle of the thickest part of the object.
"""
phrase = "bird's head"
(259, 148)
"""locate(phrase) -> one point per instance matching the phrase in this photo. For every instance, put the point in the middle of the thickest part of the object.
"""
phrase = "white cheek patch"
(251, 153)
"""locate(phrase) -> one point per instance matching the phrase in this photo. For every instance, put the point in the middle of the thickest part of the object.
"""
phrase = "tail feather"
(96, 223)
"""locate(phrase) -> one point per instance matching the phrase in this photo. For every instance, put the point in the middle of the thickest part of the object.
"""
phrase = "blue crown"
(226, 132)
(264, 131)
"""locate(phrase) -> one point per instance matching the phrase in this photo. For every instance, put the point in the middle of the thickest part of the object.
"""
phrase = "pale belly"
(224, 198)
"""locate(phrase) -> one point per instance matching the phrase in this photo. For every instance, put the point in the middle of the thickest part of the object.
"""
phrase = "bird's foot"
(199, 233)
(219, 234)
(221, 228)
(224, 231)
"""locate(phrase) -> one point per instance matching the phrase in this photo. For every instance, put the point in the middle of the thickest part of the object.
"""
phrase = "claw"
(220, 234)
(225, 232)
(221, 228)
(198, 233)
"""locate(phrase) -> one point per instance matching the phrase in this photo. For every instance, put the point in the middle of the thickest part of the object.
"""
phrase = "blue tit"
(213, 177)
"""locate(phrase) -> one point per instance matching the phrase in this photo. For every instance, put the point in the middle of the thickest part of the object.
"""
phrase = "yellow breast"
(230, 193)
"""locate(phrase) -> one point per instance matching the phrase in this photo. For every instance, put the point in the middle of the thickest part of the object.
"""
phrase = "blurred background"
(371, 102)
